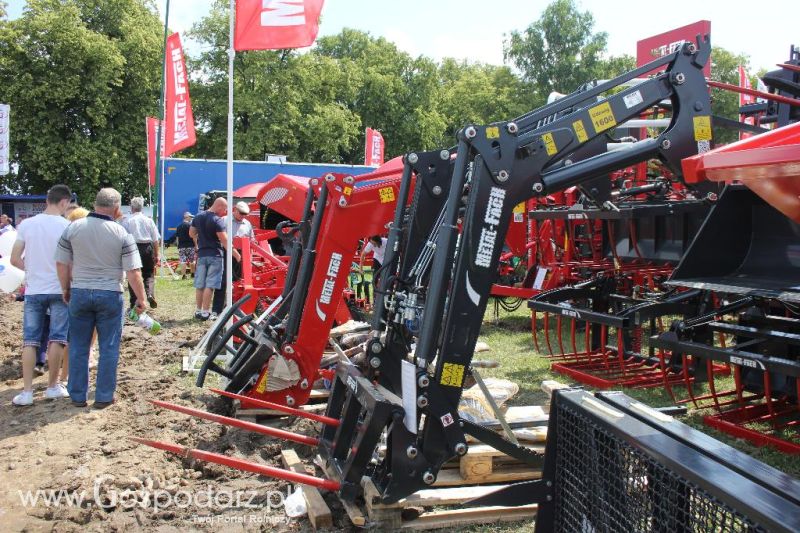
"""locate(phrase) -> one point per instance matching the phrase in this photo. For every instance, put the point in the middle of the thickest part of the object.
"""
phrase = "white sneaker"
(56, 391)
(23, 398)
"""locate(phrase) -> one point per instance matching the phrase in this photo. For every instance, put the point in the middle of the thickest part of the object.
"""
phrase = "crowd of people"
(75, 264)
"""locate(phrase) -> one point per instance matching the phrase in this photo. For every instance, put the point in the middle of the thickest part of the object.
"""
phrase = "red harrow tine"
(535, 333)
(328, 421)
(559, 325)
(547, 333)
(572, 335)
(239, 464)
(241, 424)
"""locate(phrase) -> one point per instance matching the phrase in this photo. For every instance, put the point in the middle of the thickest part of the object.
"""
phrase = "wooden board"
(318, 511)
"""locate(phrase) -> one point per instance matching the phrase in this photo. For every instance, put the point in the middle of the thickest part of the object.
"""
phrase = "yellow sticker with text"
(492, 132)
(580, 131)
(261, 386)
(549, 144)
(702, 128)
(602, 117)
(348, 191)
(519, 208)
(452, 375)
(386, 195)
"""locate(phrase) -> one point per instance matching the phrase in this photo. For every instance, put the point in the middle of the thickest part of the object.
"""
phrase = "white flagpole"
(229, 231)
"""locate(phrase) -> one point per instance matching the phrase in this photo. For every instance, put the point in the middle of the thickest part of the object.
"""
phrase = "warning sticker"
(452, 375)
(386, 195)
(261, 386)
(702, 128)
(580, 131)
(632, 99)
(447, 419)
(519, 208)
(492, 132)
(348, 191)
(602, 117)
(549, 144)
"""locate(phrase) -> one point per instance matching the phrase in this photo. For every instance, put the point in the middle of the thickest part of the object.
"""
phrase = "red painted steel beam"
(787, 66)
(278, 407)
(754, 92)
(241, 424)
(240, 464)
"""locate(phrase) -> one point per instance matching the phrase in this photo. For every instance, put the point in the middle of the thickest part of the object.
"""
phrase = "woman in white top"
(377, 245)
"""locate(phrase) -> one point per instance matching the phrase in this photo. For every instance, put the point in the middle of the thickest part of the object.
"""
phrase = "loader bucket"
(746, 247)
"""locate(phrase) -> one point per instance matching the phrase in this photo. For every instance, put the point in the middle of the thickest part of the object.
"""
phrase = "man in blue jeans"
(92, 254)
(33, 251)
(208, 231)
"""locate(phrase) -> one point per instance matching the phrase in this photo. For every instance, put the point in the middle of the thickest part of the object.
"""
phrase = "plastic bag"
(474, 406)
(295, 504)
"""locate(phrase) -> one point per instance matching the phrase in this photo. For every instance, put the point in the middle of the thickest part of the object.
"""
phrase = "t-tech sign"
(665, 43)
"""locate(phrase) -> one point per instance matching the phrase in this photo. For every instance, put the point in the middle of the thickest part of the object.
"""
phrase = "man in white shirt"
(34, 252)
(147, 238)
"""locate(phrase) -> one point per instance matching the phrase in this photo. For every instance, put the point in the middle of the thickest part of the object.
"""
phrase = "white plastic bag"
(295, 504)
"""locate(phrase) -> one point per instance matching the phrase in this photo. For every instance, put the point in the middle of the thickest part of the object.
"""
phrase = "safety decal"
(261, 386)
(580, 131)
(347, 191)
(602, 117)
(549, 144)
(447, 420)
(452, 375)
(386, 195)
(492, 132)
(702, 128)
(633, 99)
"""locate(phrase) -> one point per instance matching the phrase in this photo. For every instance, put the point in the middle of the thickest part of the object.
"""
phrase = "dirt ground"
(70, 452)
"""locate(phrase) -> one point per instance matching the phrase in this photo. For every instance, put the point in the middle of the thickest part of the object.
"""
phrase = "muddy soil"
(73, 453)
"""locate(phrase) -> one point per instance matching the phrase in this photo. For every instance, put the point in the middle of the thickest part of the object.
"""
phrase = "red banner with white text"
(276, 24)
(152, 136)
(373, 148)
(745, 99)
(178, 118)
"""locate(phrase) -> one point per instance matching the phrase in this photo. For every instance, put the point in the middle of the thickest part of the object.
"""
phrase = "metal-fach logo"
(488, 238)
(327, 286)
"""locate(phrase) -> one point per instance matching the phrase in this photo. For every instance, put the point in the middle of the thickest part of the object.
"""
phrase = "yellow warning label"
(702, 128)
(519, 208)
(492, 132)
(549, 144)
(261, 386)
(386, 194)
(580, 131)
(452, 374)
(348, 191)
(602, 117)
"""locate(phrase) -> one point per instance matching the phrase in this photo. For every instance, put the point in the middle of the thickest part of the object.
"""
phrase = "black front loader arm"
(509, 167)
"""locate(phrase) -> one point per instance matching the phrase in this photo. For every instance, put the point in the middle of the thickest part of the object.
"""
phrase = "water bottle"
(145, 321)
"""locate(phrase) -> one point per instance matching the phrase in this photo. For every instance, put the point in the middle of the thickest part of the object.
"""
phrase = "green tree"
(559, 51)
(80, 76)
(725, 68)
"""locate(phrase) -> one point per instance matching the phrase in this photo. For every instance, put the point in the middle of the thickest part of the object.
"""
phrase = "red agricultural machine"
(610, 464)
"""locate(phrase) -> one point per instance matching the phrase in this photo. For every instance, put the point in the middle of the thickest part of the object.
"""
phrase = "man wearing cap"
(186, 245)
(241, 228)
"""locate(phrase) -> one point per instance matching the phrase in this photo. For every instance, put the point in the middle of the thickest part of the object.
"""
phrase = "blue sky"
(475, 29)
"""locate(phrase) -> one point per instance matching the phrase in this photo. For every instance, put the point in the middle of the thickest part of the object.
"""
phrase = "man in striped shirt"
(91, 257)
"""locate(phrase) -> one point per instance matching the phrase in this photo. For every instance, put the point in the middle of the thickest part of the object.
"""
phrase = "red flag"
(373, 148)
(152, 135)
(276, 24)
(179, 119)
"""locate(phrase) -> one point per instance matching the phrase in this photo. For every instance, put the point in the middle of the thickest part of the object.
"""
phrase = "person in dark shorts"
(208, 228)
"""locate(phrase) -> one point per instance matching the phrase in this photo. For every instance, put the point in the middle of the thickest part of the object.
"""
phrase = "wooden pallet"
(481, 471)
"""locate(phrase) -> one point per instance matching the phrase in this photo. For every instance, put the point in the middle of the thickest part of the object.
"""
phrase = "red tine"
(240, 464)
(278, 407)
(241, 424)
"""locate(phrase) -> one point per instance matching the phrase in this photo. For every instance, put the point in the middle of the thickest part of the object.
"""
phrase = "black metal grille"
(602, 484)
